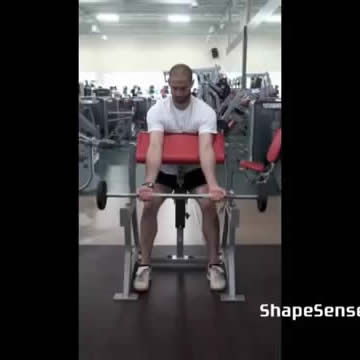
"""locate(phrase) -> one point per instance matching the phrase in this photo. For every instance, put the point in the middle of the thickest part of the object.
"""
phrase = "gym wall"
(156, 53)
(139, 54)
(263, 53)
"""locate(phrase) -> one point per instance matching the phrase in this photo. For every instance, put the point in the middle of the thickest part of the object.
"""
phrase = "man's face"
(180, 86)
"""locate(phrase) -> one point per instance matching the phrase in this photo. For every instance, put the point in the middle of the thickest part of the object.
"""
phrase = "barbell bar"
(102, 195)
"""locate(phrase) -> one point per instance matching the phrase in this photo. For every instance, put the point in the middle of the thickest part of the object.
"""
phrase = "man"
(179, 113)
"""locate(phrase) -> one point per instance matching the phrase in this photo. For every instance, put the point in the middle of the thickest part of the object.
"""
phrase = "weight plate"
(262, 203)
(101, 195)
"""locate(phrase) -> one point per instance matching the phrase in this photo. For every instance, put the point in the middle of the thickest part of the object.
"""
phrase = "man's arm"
(207, 158)
(154, 156)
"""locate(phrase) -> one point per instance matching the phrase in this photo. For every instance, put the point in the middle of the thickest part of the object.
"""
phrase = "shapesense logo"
(316, 311)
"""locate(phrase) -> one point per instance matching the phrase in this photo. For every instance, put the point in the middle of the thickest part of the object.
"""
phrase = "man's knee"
(151, 207)
(208, 206)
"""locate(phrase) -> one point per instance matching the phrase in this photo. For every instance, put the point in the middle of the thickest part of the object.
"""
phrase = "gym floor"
(180, 317)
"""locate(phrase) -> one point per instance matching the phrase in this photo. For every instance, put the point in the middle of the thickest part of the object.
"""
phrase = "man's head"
(180, 81)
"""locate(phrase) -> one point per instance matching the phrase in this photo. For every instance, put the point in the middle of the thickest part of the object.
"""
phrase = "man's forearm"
(153, 163)
(208, 164)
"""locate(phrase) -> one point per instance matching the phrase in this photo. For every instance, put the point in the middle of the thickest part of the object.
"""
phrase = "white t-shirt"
(197, 118)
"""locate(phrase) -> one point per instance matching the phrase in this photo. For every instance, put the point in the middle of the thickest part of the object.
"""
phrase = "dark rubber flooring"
(179, 318)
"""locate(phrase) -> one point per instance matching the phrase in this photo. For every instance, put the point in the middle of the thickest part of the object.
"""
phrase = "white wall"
(142, 53)
(263, 53)
(154, 54)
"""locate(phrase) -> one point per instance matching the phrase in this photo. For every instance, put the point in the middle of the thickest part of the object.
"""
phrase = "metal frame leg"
(130, 256)
(180, 219)
(135, 228)
(180, 243)
(225, 230)
(106, 118)
(179, 257)
(92, 170)
(132, 167)
(229, 257)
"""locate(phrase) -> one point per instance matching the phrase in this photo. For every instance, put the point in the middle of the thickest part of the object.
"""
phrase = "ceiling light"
(104, 37)
(179, 18)
(222, 25)
(108, 17)
(274, 19)
(194, 4)
(94, 28)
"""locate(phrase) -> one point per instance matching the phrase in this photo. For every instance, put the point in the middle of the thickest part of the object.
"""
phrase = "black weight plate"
(262, 203)
(101, 195)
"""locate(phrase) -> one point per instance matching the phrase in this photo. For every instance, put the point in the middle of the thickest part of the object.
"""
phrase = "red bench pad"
(180, 148)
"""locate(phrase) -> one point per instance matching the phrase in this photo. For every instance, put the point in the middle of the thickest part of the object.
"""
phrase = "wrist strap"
(149, 184)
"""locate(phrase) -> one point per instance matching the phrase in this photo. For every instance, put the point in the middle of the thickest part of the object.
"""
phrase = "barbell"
(102, 196)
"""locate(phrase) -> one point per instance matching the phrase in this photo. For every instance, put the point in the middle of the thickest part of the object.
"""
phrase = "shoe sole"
(143, 290)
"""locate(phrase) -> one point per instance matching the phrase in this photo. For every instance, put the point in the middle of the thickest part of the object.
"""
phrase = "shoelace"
(218, 268)
(141, 271)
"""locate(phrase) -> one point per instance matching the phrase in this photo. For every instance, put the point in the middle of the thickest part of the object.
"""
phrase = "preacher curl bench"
(179, 149)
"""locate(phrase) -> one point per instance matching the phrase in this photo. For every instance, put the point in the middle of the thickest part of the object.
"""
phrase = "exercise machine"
(180, 149)
(113, 116)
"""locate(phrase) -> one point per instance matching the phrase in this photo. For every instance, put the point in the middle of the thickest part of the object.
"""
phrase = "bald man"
(180, 113)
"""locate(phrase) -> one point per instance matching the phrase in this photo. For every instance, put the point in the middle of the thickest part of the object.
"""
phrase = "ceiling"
(149, 17)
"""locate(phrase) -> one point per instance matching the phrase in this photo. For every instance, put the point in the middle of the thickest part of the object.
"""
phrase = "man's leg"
(211, 227)
(216, 272)
(148, 224)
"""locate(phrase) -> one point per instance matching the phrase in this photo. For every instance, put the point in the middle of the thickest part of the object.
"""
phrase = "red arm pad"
(180, 148)
(275, 147)
(252, 165)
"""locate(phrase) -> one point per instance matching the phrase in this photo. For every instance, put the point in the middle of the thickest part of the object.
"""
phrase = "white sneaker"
(142, 278)
(216, 276)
